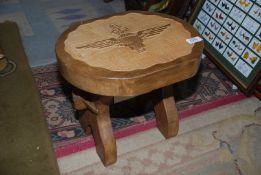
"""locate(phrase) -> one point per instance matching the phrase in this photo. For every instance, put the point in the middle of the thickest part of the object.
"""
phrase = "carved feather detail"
(132, 40)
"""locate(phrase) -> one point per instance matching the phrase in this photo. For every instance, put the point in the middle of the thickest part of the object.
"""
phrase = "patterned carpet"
(227, 147)
(209, 89)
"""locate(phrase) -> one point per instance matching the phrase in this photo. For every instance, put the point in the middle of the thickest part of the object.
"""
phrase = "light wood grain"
(127, 54)
(166, 113)
(97, 115)
(176, 62)
(117, 44)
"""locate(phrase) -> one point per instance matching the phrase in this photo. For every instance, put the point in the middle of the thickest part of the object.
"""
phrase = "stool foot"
(166, 113)
(98, 117)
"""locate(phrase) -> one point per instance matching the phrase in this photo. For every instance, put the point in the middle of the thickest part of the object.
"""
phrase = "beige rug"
(224, 141)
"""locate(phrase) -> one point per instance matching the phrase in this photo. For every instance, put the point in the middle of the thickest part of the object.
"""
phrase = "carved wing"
(152, 31)
(117, 29)
(100, 44)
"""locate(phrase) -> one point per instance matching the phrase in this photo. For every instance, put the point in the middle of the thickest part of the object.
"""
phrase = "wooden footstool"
(127, 54)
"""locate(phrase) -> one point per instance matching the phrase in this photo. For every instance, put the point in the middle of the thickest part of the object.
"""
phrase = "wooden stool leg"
(97, 116)
(166, 112)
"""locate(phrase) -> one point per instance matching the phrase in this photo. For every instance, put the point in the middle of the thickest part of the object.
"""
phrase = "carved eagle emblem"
(126, 39)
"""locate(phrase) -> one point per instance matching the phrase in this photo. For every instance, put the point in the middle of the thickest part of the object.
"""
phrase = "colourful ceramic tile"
(243, 68)
(244, 5)
(224, 35)
(237, 14)
(237, 46)
(209, 7)
(199, 26)
(215, 1)
(214, 26)
(203, 17)
(243, 35)
(255, 45)
(230, 55)
(259, 34)
(250, 57)
(255, 12)
(219, 16)
(231, 25)
(219, 45)
(251, 25)
(225, 6)
(208, 35)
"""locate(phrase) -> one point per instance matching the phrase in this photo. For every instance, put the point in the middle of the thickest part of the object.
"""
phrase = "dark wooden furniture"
(127, 54)
(178, 8)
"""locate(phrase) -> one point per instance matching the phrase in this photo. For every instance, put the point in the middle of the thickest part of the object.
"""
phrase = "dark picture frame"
(231, 30)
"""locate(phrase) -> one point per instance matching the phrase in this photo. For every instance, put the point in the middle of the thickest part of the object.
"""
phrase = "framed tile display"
(232, 33)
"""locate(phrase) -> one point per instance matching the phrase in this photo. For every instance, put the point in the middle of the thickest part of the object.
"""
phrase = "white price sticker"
(194, 40)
